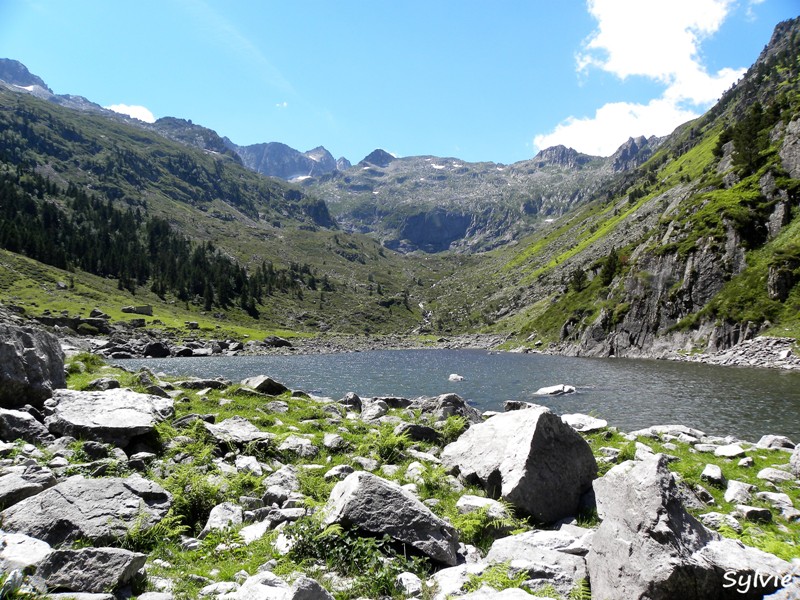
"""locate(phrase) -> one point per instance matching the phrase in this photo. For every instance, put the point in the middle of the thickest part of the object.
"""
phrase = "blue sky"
(477, 80)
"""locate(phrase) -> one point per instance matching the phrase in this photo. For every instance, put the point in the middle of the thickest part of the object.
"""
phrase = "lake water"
(630, 394)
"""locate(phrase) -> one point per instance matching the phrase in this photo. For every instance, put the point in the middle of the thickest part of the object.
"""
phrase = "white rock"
(555, 390)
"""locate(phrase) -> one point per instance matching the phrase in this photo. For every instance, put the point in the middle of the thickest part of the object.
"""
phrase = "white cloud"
(614, 123)
(283, 104)
(137, 112)
(653, 39)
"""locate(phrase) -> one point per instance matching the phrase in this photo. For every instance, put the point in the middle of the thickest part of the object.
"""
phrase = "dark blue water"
(630, 394)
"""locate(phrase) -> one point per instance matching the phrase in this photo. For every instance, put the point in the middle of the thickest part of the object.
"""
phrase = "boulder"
(775, 442)
(529, 458)
(649, 547)
(351, 400)
(299, 446)
(237, 430)
(738, 492)
(373, 409)
(31, 366)
(265, 385)
(156, 350)
(113, 416)
(23, 483)
(92, 570)
(794, 462)
(377, 506)
(584, 423)
(95, 510)
(418, 433)
(447, 405)
(542, 555)
(222, 516)
(730, 451)
(21, 425)
(268, 586)
(494, 509)
(19, 551)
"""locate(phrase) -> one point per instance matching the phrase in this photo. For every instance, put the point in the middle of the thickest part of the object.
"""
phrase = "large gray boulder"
(99, 511)
(649, 548)
(113, 416)
(530, 458)
(20, 425)
(31, 366)
(92, 570)
(18, 551)
(265, 385)
(377, 506)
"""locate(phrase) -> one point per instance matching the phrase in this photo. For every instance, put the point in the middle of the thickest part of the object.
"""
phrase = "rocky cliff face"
(279, 160)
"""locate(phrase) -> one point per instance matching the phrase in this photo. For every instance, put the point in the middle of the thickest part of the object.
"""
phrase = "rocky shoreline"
(131, 484)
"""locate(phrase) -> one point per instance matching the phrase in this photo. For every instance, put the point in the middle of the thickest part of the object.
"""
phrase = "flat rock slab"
(96, 510)
(237, 430)
(375, 505)
(114, 416)
(584, 423)
(24, 483)
(92, 570)
(530, 458)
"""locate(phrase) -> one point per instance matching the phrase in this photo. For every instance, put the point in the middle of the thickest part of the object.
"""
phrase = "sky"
(477, 80)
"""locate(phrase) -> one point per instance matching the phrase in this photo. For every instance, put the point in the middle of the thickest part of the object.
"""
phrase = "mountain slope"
(695, 250)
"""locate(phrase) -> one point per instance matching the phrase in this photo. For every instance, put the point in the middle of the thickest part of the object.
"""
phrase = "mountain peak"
(560, 156)
(15, 73)
(378, 158)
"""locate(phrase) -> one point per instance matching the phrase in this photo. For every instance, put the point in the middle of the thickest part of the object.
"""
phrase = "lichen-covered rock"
(530, 458)
(377, 506)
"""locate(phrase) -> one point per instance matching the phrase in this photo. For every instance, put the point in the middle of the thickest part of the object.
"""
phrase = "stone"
(237, 430)
(738, 492)
(248, 464)
(223, 516)
(198, 383)
(377, 506)
(417, 433)
(774, 475)
(274, 341)
(647, 546)
(584, 423)
(15, 486)
(96, 510)
(298, 445)
(351, 400)
(373, 409)
(510, 405)
(753, 513)
(409, 584)
(92, 570)
(19, 551)
(31, 366)
(101, 384)
(775, 442)
(729, 451)
(156, 350)
(555, 390)
(268, 586)
(339, 472)
(334, 442)
(541, 554)
(715, 520)
(529, 458)
(794, 462)
(285, 477)
(447, 405)
(713, 474)
(265, 385)
(21, 425)
(494, 509)
(114, 416)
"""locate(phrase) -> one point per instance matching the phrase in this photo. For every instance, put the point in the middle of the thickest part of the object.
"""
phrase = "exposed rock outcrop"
(31, 366)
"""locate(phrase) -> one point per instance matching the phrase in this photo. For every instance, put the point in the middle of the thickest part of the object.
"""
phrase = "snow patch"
(438, 166)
